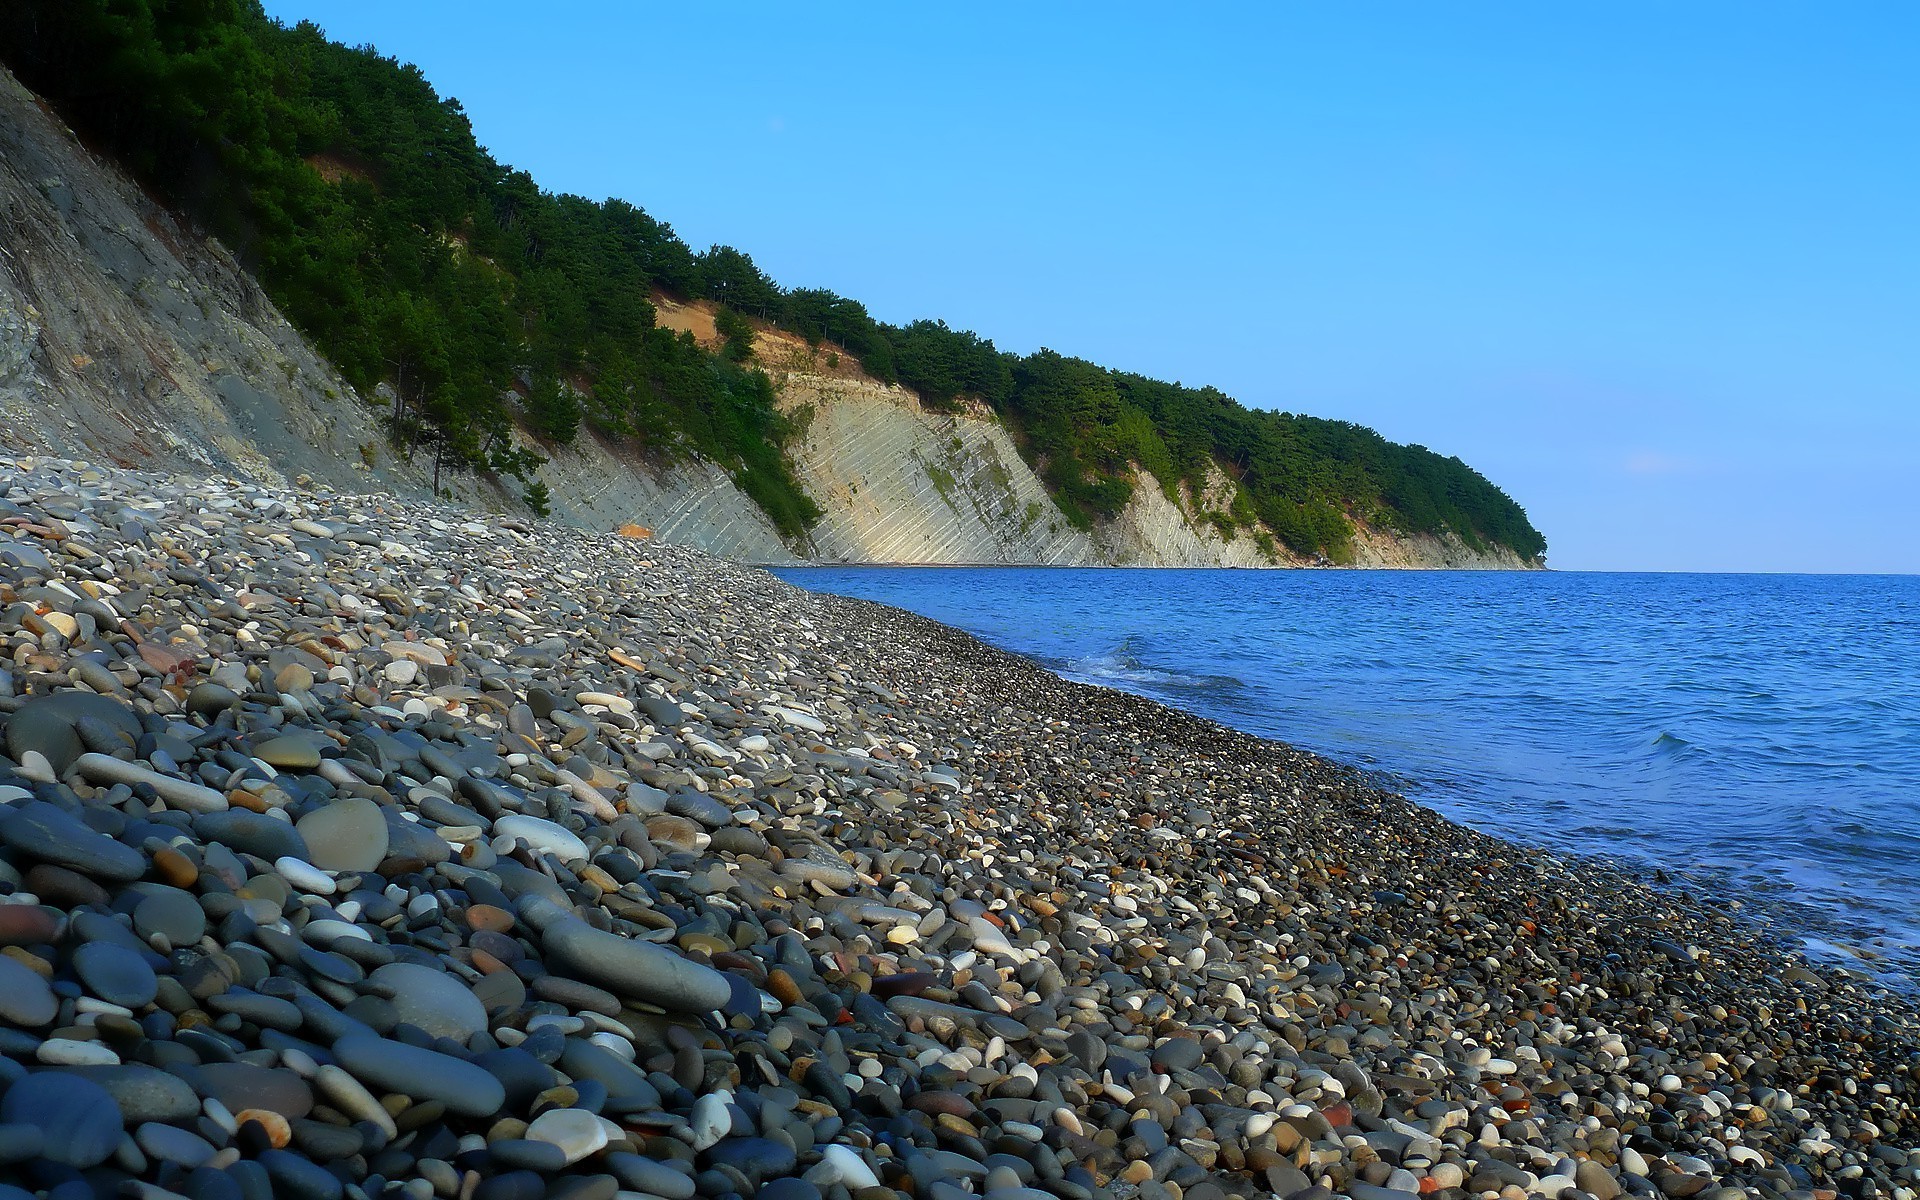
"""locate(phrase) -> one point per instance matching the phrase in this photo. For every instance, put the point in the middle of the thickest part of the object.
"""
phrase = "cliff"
(127, 335)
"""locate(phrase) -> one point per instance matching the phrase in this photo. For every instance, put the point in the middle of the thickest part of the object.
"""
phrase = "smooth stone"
(577, 1132)
(18, 1143)
(171, 913)
(302, 876)
(210, 699)
(240, 1085)
(431, 1000)
(848, 1167)
(542, 835)
(298, 1178)
(643, 1174)
(49, 725)
(291, 752)
(515, 1185)
(423, 1074)
(26, 1000)
(29, 924)
(116, 974)
(635, 969)
(792, 1188)
(180, 793)
(56, 835)
(346, 835)
(80, 1121)
(710, 1120)
(145, 1093)
(528, 1154)
(76, 1052)
(755, 1157)
(251, 833)
(174, 1145)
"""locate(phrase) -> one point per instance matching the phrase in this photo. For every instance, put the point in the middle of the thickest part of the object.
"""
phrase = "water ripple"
(1757, 733)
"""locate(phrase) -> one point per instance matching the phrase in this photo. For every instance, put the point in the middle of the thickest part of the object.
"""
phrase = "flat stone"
(423, 1074)
(180, 793)
(170, 1144)
(49, 725)
(577, 1132)
(297, 1178)
(115, 974)
(79, 1120)
(431, 1000)
(755, 1157)
(244, 1085)
(145, 1093)
(289, 753)
(26, 1000)
(56, 835)
(347, 835)
(542, 835)
(251, 833)
(29, 924)
(172, 914)
(528, 1155)
(635, 969)
(643, 1174)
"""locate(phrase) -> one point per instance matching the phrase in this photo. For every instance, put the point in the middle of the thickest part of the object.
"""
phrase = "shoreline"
(970, 928)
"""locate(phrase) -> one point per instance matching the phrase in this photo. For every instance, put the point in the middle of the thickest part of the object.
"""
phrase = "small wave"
(1122, 666)
(1671, 743)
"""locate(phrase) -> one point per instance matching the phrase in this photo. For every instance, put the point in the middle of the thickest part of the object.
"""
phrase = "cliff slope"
(128, 335)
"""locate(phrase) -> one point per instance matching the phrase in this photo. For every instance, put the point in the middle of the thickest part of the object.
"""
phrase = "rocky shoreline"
(353, 847)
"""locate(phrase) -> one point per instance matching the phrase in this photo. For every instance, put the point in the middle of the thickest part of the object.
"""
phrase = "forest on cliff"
(377, 221)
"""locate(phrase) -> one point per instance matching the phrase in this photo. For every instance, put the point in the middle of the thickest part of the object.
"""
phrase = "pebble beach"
(352, 847)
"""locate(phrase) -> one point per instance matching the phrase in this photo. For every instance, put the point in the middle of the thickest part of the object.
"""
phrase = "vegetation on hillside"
(414, 260)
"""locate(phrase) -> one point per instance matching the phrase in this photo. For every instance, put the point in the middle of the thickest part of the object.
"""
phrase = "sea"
(1754, 738)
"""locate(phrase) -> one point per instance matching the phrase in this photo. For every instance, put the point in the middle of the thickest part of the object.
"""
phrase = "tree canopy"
(413, 260)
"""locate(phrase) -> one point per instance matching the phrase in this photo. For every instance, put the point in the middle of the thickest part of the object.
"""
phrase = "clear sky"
(1654, 268)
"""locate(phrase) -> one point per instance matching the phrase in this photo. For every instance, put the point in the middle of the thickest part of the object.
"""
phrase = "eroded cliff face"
(903, 485)
(128, 336)
(124, 335)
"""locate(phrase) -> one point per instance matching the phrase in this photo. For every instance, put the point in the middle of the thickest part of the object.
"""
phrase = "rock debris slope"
(355, 848)
(126, 334)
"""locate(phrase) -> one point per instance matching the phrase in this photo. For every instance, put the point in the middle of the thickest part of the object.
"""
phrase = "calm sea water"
(1756, 735)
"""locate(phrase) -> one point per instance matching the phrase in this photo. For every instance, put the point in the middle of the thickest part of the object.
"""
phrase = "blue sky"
(1654, 268)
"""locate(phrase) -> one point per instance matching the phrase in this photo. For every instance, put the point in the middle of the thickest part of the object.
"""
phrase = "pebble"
(116, 974)
(346, 835)
(26, 1000)
(576, 1132)
(483, 859)
(424, 1074)
(430, 1000)
(78, 1121)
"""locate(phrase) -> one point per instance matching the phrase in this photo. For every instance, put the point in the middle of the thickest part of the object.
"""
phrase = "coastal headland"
(353, 846)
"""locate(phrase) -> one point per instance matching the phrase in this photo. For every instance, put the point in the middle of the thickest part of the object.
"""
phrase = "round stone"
(432, 1000)
(116, 974)
(347, 835)
(50, 725)
(25, 999)
(174, 1145)
(289, 753)
(79, 1120)
(172, 914)
(29, 924)
(576, 1131)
